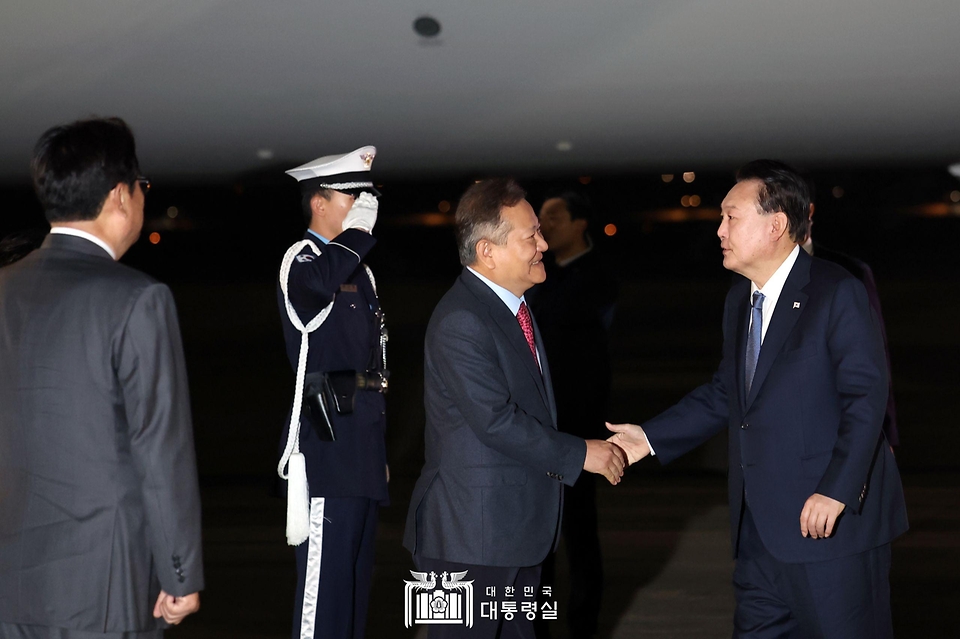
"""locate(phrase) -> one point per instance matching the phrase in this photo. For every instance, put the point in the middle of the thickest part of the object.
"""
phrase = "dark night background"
(219, 248)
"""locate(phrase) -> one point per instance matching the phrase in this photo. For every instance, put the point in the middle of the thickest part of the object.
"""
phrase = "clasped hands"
(819, 514)
(175, 609)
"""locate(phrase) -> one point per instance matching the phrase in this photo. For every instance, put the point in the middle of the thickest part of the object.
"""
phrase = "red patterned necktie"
(526, 323)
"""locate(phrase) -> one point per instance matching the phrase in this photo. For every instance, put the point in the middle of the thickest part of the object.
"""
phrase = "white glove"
(363, 214)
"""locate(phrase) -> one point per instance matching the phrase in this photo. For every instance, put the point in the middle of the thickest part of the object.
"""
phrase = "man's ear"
(318, 205)
(779, 225)
(484, 252)
(118, 199)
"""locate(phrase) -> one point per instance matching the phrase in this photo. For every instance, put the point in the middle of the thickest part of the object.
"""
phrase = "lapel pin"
(796, 304)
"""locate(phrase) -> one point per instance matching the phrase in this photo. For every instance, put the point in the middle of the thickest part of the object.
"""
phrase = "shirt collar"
(68, 230)
(771, 290)
(318, 236)
(512, 301)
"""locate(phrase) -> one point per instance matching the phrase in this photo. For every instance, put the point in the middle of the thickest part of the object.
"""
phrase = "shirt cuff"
(653, 453)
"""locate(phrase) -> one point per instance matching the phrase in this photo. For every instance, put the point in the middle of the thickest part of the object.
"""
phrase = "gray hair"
(478, 215)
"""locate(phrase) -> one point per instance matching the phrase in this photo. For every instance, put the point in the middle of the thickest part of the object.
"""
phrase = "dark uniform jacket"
(99, 506)
(490, 492)
(811, 422)
(355, 464)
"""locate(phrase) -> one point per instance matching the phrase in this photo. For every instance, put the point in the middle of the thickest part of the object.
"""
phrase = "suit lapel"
(785, 317)
(545, 377)
(510, 327)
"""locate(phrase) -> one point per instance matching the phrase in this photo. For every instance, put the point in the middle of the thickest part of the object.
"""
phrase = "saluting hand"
(363, 214)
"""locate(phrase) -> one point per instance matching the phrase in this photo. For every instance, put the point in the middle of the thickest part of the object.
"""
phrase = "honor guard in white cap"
(334, 457)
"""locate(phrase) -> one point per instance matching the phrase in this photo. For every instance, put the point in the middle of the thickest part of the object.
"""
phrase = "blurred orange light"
(585, 179)
(172, 212)
(955, 196)
(154, 238)
(667, 177)
(444, 206)
(685, 200)
(837, 192)
(694, 200)
(689, 177)
(610, 230)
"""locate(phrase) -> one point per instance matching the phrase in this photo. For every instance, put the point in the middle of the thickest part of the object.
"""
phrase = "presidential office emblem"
(367, 159)
(451, 603)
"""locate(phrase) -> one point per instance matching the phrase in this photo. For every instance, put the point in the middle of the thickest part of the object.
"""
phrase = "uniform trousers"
(843, 598)
(335, 569)
(482, 577)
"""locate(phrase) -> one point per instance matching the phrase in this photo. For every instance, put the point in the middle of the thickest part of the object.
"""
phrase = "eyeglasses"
(144, 184)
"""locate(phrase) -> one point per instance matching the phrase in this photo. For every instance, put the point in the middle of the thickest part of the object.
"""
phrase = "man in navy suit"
(489, 498)
(815, 495)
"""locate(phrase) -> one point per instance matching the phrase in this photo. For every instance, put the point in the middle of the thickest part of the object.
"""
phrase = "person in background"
(574, 307)
(862, 271)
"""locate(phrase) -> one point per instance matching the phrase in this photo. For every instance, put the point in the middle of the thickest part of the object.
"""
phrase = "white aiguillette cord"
(298, 493)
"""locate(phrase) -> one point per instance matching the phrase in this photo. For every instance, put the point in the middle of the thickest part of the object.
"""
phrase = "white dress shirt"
(772, 289)
(67, 230)
(508, 298)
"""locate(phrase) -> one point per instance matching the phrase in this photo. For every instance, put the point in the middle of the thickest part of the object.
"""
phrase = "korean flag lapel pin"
(796, 305)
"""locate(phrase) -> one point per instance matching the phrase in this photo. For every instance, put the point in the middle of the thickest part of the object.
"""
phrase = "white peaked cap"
(350, 171)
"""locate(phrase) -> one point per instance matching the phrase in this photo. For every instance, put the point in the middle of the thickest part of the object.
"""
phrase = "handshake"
(609, 458)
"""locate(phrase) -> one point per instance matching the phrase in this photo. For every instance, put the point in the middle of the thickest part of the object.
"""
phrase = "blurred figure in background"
(99, 503)
(16, 246)
(860, 270)
(575, 307)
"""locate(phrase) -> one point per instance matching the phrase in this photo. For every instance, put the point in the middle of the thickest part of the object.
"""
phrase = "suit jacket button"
(560, 477)
(181, 579)
(744, 425)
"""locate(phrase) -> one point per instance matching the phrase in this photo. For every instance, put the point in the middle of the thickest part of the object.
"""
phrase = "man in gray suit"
(489, 498)
(99, 505)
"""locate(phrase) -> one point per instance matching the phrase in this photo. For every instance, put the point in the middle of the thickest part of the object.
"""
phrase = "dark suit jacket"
(812, 420)
(862, 271)
(491, 488)
(355, 464)
(99, 506)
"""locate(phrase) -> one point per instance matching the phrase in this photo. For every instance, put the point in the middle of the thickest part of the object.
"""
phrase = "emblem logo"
(425, 603)
(367, 159)
(796, 304)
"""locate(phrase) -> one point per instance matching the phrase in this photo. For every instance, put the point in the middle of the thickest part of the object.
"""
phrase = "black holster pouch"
(324, 393)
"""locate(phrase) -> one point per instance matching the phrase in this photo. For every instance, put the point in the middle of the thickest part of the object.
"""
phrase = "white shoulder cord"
(298, 493)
